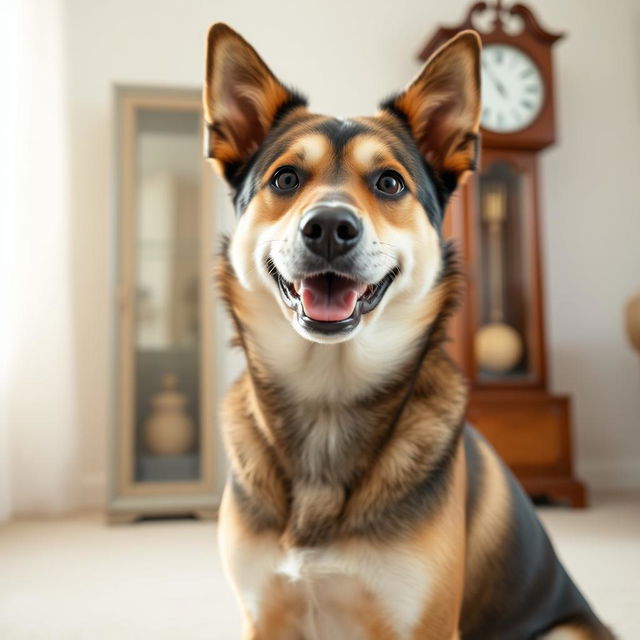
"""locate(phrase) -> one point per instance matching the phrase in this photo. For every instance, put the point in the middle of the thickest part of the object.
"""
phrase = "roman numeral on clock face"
(512, 89)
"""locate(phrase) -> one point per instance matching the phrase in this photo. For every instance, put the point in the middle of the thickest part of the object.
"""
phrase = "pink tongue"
(329, 298)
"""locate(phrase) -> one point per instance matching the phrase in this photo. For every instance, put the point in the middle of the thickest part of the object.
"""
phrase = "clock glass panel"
(512, 89)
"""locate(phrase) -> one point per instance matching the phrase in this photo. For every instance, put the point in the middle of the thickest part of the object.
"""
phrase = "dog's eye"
(390, 183)
(285, 179)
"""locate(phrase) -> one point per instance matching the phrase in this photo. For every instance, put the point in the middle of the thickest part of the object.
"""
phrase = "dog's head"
(340, 220)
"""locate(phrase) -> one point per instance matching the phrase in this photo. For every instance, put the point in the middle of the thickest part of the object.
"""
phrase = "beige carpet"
(76, 578)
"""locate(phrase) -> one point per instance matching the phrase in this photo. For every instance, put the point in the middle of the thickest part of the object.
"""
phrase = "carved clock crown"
(517, 27)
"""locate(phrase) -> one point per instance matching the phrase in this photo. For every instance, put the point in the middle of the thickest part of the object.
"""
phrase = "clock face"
(512, 89)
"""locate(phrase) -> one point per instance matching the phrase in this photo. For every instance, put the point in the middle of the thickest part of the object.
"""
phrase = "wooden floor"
(76, 578)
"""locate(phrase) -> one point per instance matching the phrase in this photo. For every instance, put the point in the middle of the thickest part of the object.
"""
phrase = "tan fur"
(417, 443)
(444, 114)
(234, 69)
(487, 529)
(445, 541)
(370, 152)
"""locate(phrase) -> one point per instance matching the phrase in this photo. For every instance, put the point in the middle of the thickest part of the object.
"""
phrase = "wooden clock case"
(529, 427)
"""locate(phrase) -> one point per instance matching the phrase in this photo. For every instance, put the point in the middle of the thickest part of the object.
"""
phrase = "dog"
(359, 505)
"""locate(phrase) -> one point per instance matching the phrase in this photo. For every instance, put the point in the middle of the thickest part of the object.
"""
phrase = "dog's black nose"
(330, 231)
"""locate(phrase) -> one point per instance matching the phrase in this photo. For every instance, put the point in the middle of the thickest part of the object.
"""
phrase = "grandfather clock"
(498, 335)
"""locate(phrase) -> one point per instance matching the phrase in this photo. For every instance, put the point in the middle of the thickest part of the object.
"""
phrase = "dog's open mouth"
(330, 302)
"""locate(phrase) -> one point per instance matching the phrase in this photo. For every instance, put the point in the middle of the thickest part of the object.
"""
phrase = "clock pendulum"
(498, 346)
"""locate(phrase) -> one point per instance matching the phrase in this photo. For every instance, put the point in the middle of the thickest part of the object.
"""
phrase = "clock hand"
(499, 86)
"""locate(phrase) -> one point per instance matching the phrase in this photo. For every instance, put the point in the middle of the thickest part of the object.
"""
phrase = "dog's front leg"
(270, 608)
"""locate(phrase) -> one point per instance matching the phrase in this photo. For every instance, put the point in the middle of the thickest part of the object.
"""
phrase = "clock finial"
(503, 12)
(497, 22)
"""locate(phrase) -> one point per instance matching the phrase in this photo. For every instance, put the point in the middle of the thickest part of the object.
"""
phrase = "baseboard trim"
(597, 475)
(93, 491)
(610, 474)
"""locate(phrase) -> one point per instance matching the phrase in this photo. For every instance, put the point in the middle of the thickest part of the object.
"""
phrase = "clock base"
(560, 490)
(531, 431)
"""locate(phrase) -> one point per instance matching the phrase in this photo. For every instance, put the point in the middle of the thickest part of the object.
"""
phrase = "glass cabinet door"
(166, 318)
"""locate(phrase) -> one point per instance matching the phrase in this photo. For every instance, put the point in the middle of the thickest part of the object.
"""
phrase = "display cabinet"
(163, 445)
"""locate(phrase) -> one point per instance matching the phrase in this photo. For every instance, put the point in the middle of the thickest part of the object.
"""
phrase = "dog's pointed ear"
(242, 100)
(442, 107)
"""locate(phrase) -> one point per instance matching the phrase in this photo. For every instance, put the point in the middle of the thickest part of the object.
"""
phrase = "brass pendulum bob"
(498, 346)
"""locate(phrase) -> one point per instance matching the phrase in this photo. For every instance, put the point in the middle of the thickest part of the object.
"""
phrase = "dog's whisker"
(259, 244)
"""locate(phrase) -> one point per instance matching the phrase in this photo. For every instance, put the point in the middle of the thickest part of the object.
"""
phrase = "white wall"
(38, 448)
(347, 55)
(592, 233)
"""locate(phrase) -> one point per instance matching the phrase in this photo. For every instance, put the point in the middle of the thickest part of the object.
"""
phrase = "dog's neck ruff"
(323, 458)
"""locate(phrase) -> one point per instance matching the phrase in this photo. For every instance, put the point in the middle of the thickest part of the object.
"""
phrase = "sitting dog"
(359, 505)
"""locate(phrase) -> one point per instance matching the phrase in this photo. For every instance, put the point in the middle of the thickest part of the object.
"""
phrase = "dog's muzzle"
(327, 294)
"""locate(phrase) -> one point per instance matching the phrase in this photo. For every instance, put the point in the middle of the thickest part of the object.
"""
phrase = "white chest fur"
(333, 588)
